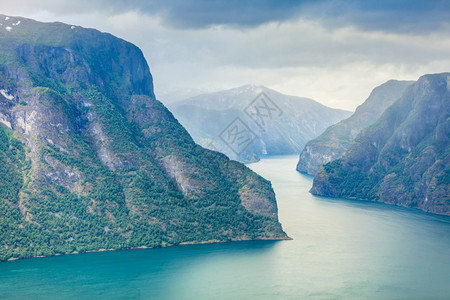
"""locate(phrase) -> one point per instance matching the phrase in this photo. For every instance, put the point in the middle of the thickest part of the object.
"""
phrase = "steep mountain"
(333, 143)
(274, 123)
(404, 158)
(90, 160)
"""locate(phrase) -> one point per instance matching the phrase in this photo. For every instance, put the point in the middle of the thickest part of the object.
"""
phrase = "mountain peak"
(252, 87)
(89, 159)
(248, 89)
(332, 143)
(404, 157)
(291, 121)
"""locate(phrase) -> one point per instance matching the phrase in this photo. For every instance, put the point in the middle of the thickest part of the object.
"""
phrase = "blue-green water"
(341, 249)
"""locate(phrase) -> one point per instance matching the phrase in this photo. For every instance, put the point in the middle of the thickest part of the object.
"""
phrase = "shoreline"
(210, 242)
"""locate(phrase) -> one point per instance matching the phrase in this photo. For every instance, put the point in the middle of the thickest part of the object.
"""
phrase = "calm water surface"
(341, 250)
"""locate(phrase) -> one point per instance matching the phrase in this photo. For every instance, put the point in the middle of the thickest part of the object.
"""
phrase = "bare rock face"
(333, 143)
(89, 159)
(314, 156)
(404, 158)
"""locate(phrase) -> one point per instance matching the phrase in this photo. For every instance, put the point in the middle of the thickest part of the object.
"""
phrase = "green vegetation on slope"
(403, 158)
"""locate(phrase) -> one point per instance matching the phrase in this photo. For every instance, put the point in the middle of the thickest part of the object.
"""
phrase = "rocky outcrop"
(91, 160)
(333, 143)
(404, 158)
(314, 156)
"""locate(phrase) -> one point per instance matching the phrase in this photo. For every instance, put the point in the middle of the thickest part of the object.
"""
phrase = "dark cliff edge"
(334, 141)
(404, 158)
(90, 160)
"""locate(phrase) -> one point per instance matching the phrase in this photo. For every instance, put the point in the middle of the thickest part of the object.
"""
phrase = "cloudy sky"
(333, 51)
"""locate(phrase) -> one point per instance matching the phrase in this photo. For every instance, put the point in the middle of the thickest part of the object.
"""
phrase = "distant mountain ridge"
(402, 159)
(333, 143)
(293, 120)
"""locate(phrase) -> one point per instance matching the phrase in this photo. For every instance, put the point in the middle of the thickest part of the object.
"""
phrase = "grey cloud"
(387, 15)
(406, 16)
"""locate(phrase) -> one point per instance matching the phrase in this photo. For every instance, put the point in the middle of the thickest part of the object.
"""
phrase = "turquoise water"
(340, 250)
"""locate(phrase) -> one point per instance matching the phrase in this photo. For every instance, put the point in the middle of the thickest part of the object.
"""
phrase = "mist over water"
(340, 249)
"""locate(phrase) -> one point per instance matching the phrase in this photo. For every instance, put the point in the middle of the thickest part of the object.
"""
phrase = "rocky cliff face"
(333, 143)
(279, 124)
(90, 160)
(404, 158)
